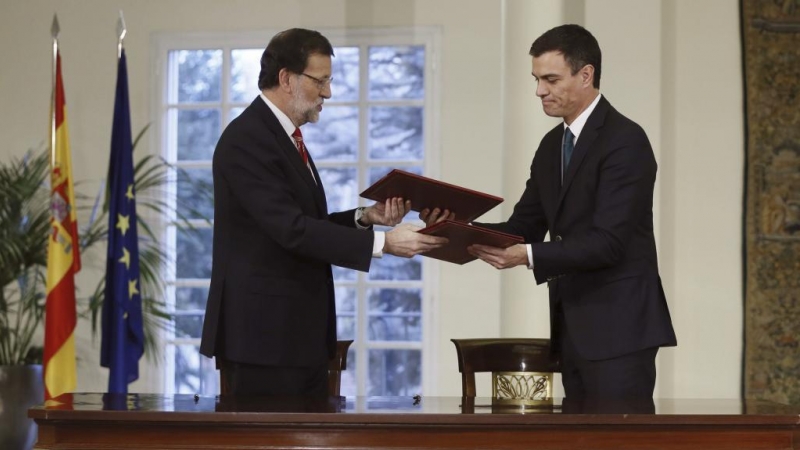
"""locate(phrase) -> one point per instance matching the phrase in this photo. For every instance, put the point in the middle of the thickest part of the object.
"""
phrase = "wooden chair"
(335, 368)
(522, 369)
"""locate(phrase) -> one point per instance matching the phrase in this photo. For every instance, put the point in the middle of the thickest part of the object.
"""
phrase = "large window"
(380, 117)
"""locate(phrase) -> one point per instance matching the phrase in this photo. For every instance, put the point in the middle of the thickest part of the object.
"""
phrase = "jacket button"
(558, 238)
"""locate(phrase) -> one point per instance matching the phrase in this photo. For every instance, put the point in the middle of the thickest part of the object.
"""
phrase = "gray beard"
(306, 112)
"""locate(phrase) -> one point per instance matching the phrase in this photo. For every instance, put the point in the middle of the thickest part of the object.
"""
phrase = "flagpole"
(121, 32)
(63, 249)
(54, 30)
(122, 343)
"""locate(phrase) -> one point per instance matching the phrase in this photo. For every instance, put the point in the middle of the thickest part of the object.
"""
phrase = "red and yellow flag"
(63, 258)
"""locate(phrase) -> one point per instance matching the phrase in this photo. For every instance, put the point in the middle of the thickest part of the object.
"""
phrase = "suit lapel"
(319, 191)
(585, 141)
(289, 147)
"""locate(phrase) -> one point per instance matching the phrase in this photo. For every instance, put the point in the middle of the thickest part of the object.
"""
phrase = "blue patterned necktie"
(567, 147)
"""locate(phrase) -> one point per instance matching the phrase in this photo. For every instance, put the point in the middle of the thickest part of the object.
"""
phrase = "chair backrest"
(335, 368)
(522, 369)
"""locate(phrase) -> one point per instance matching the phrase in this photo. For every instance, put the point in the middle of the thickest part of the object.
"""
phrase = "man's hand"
(390, 213)
(406, 242)
(501, 258)
(435, 216)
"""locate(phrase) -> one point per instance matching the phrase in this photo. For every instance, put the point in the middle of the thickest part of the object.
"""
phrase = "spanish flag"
(63, 257)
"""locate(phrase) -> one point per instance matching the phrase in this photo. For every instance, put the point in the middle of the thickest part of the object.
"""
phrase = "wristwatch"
(359, 215)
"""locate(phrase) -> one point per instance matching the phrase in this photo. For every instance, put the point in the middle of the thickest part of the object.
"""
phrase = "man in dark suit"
(271, 317)
(591, 187)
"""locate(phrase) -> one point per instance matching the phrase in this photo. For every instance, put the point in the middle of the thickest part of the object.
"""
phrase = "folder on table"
(428, 193)
(467, 205)
(462, 235)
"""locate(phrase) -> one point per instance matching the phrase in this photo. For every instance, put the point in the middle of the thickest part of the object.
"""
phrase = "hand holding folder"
(466, 204)
(462, 235)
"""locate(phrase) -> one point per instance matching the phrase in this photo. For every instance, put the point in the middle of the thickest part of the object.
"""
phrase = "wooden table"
(145, 421)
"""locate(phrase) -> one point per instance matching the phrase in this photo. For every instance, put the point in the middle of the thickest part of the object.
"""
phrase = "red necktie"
(301, 147)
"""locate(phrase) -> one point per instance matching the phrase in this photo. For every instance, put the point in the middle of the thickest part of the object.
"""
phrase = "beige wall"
(662, 66)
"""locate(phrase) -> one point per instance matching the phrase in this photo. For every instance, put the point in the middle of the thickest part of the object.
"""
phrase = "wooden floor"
(101, 421)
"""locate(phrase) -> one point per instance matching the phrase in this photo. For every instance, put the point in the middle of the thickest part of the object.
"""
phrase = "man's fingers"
(399, 209)
(484, 250)
(493, 256)
(423, 215)
(437, 241)
(389, 211)
(446, 215)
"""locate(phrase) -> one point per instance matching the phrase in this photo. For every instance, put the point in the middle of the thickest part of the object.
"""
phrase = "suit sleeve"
(257, 181)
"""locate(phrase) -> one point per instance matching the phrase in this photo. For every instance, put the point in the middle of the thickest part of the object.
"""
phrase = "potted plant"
(24, 224)
(24, 228)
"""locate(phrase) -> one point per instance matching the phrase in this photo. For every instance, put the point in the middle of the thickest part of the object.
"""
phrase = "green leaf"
(25, 228)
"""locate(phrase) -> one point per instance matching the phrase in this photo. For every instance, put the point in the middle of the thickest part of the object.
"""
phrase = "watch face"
(359, 215)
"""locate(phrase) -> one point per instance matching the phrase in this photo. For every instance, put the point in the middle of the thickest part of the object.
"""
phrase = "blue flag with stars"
(123, 335)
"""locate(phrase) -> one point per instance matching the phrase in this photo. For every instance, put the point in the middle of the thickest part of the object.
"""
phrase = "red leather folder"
(461, 236)
(429, 193)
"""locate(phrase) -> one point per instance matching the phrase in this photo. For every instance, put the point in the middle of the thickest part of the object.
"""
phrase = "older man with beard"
(271, 316)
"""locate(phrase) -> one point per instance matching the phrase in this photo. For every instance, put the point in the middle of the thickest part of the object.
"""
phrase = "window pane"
(193, 253)
(190, 304)
(335, 136)
(376, 173)
(394, 373)
(341, 188)
(345, 74)
(198, 133)
(395, 314)
(195, 194)
(346, 312)
(188, 325)
(194, 374)
(397, 72)
(348, 381)
(199, 74)
(245, 67)
(395, 133)
(190, 298)
(344, 274)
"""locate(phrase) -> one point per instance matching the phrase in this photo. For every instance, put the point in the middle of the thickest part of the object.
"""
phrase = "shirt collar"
(577, 125)
(285, 121)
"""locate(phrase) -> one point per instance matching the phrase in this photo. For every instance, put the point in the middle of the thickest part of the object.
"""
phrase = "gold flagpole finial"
(121, 32)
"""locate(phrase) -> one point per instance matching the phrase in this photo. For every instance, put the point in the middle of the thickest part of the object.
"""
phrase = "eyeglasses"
(321, 83)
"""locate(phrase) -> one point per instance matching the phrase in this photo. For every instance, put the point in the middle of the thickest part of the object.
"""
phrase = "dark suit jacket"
(271, 300)
(600, 262)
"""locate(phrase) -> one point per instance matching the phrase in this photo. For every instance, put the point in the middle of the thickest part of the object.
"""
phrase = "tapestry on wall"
(771, 51)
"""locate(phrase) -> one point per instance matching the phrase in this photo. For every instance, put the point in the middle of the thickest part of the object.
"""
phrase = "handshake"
(403, 240)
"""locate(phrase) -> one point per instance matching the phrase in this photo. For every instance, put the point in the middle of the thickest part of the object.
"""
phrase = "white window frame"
(430, 37)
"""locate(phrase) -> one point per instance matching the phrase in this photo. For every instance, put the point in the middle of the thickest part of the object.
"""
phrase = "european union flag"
(123, 336)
